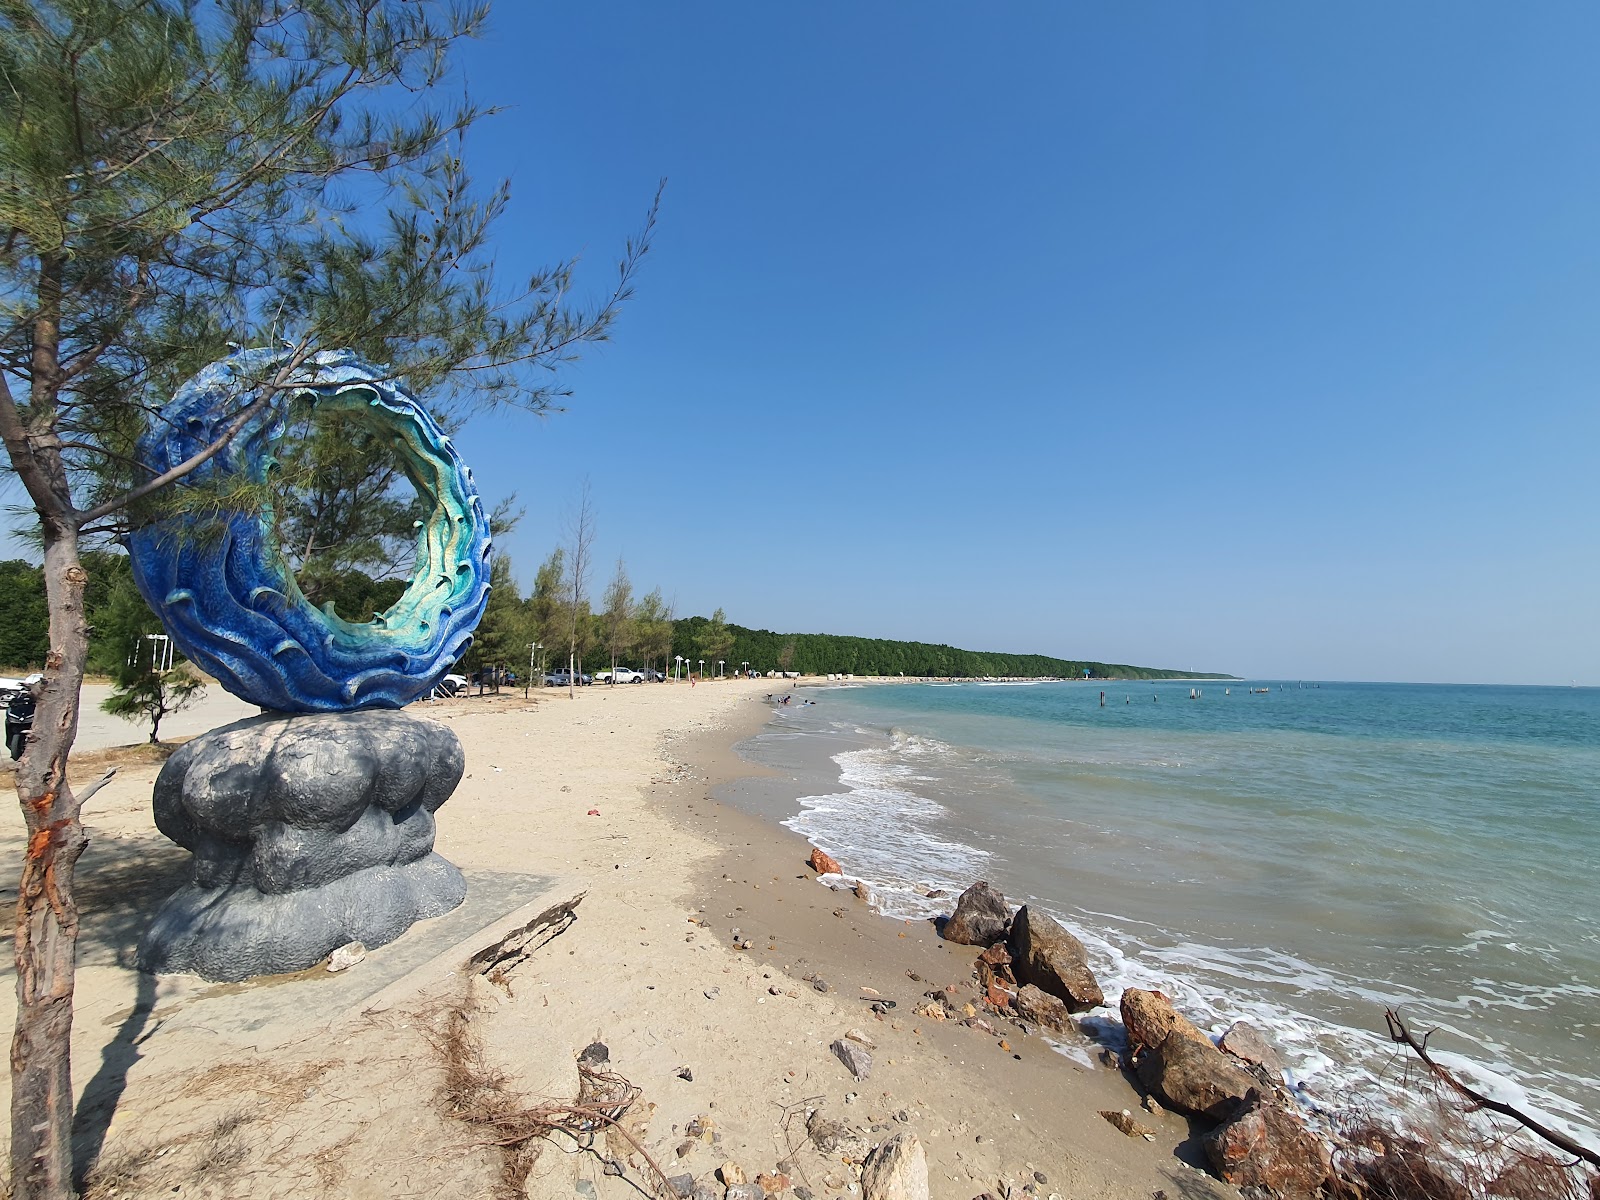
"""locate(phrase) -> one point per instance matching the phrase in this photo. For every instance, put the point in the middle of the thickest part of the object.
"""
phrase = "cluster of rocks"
(1257, 1140)
(1033, 969)
(1030, 963)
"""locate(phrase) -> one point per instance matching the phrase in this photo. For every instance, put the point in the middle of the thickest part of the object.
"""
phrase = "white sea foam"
(882, 828)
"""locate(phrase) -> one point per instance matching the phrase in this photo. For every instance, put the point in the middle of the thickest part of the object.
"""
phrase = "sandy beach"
(692, 957)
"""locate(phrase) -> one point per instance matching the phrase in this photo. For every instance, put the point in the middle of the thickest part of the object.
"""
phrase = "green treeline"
(830, 653)
(635, 632)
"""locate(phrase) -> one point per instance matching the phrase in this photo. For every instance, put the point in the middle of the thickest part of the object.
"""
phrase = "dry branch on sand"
(481, 1096)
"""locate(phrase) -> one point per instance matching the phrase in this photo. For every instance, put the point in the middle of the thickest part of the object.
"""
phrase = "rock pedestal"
(308, 832)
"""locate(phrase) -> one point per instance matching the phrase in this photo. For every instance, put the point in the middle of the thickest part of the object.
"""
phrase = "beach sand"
(334, 1085)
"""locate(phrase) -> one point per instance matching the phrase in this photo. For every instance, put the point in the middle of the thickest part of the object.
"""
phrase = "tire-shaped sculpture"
(225, 593)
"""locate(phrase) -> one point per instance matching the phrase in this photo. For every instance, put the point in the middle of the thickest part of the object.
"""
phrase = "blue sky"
(1243, 337)
(1253, 338)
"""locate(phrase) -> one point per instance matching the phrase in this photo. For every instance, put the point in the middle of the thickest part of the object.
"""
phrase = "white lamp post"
(677, 661)
(719, 668)
(702, 668)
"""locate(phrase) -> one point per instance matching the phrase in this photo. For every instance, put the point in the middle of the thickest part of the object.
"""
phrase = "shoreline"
(1016, 1098)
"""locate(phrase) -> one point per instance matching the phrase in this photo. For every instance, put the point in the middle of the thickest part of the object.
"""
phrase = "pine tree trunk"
(47, 915)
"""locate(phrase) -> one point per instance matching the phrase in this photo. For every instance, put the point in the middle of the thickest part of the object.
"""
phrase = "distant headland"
(831, 653)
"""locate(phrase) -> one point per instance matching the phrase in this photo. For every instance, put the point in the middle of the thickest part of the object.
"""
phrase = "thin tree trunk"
(47, 915)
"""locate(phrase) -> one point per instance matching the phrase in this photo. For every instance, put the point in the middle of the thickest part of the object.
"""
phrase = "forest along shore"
(658, 1017)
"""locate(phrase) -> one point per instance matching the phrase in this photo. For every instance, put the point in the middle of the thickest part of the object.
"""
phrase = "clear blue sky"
(1256, 338)
(1246, 337)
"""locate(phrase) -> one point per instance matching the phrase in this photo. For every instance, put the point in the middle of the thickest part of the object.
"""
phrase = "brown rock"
(896, 1170)
(1042, 1008)
(772, 1185)
(1266, 1147)
(996, 955)
(824, 863)
(731, 1173)
(980, 919)
(1149, 1017)
(1125, 1123)
(1051, 959)
(994, 971)
(1195, 1077)
(1249, 1044)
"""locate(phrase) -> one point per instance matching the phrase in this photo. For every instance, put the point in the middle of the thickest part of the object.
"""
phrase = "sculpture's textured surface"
(226, 595)
(307, 832)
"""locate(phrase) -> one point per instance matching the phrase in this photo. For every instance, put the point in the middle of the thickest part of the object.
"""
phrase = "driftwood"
(504, 955)
(1401, 1035)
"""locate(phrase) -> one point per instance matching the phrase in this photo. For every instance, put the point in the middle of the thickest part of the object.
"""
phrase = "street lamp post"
(677, 661)
(702, 668)
(719, 668)
(744, 667)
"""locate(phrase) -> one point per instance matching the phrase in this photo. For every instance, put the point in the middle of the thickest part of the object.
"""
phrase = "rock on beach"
(980, 918)
(824, 863)
(1177, 1062)
(1266, 1147)
(1047, 956)
(1042, 1008)
(896, 1170)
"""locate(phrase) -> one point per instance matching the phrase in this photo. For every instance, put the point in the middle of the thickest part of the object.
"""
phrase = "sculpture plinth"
(307, 832)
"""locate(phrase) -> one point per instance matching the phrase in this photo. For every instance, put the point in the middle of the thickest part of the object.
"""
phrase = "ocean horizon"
(1300, 858)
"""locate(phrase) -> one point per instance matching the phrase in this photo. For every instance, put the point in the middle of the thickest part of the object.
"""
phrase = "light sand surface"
(322, 1085)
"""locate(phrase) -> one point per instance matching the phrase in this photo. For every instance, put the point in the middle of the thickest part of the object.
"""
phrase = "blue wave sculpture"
(224, 591)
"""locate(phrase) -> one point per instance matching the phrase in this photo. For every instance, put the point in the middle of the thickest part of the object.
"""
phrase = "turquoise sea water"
(1300, 858)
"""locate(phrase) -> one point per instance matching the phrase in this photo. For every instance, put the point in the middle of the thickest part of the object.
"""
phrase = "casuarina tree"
(176, 177)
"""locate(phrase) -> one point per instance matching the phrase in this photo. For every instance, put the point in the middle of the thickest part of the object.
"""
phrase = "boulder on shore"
(1047, 956)
(1043, 1009)
(980, 919)
(1195, 1077)
(1247, 1043)
(824, 863)
(1149, 1017)
(1267, 1147)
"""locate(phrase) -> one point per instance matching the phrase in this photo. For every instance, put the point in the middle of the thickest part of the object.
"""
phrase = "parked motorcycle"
(19, 719)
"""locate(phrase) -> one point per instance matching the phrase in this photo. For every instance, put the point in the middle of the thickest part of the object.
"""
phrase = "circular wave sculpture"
(224, 590)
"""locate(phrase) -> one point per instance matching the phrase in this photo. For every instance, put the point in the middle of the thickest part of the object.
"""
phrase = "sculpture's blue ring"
(224, 591)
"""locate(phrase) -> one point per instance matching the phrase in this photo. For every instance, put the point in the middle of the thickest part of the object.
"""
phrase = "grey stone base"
(308, 832)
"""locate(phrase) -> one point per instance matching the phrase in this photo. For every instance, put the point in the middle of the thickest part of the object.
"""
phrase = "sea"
(1300, 855)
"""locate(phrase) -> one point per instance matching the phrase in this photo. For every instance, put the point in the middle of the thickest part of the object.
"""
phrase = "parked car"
(625, 675)
(561, 677)
(448, 686)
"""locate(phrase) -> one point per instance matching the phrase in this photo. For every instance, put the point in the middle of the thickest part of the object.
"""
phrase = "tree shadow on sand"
(121, 882)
